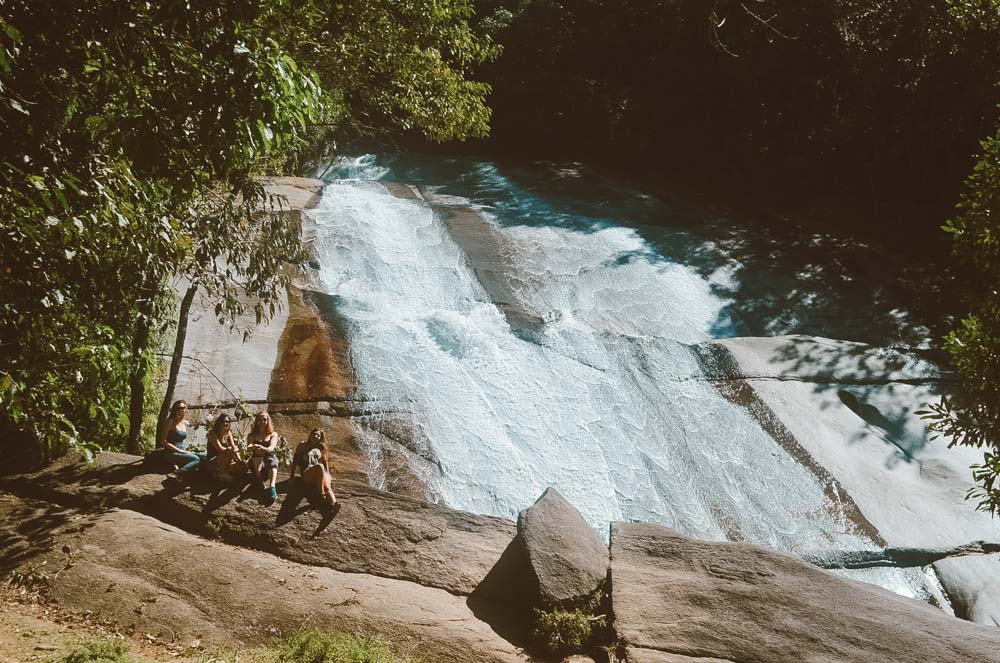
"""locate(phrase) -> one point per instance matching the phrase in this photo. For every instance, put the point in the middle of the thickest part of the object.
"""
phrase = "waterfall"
(600, 396)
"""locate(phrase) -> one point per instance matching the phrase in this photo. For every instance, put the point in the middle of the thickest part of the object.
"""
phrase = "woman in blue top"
(173, 439)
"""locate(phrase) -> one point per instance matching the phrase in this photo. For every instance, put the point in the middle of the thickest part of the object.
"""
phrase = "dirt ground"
(33, 629)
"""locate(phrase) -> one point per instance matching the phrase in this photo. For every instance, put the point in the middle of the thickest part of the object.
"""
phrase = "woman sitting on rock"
(222, 451)
(261, 445)
(313, 462)
(173, 440)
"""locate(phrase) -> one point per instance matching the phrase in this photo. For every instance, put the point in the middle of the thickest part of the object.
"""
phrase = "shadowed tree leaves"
(971, 416)
(881, 103)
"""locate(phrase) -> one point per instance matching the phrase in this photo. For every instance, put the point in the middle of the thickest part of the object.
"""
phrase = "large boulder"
(145, 577)
(375, 532)
(677, 598)
(565, 554)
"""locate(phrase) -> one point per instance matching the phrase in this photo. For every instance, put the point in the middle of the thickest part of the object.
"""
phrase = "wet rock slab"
(846, 410)
(677, 599)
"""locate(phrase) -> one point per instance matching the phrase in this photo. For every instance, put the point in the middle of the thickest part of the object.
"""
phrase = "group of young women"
(310, 460)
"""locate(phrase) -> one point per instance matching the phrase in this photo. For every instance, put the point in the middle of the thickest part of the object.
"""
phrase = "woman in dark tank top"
(221, 449)
(261, 444)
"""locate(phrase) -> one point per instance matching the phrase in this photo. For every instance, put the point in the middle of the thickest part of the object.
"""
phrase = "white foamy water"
(605, 403)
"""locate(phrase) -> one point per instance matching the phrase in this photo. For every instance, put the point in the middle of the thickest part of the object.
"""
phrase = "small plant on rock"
(28, 578)
(563, 632)
(284, 452)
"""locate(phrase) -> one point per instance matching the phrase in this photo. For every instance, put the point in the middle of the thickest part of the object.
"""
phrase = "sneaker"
(270, 495)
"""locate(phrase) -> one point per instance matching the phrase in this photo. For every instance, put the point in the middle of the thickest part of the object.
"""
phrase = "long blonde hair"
(256, 432)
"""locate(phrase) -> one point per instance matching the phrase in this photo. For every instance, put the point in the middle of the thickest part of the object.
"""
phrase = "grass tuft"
(98, 650)
(315, 646)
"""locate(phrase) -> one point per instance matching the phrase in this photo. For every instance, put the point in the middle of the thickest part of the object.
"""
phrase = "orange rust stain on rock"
(313, 361)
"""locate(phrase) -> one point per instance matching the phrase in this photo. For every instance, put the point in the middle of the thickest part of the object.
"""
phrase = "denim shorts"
(268, 461)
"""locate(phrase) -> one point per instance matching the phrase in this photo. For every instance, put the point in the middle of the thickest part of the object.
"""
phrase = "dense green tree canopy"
(131, 136)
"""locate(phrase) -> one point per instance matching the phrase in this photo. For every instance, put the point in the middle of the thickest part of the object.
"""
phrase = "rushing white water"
(604, 401)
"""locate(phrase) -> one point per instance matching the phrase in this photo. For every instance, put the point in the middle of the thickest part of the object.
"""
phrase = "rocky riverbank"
(844, 411)
(448, 585)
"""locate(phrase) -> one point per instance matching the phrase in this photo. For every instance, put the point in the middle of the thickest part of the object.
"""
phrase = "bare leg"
(222, 462)
(319, 483)
(328, 489)
(313, 477)
(272, 478)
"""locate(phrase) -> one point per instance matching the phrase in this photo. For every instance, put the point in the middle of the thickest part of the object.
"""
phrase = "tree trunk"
(137, 382)
(175, 360)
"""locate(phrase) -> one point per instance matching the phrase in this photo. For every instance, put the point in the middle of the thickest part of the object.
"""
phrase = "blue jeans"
(187, 460)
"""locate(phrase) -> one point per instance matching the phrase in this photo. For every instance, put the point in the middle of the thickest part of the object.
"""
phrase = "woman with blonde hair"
(261, 445)
(313, 462)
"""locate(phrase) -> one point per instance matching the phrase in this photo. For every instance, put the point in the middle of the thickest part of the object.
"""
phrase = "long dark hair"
(320, 444)
(176, 407)
(217, 426)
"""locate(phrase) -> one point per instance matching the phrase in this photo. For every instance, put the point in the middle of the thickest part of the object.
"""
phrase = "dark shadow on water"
(815, 273)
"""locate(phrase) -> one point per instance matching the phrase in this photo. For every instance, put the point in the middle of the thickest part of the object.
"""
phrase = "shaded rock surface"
(677, 597)
(148, 577)
(296, 193)
(375, 532)
(566, 556)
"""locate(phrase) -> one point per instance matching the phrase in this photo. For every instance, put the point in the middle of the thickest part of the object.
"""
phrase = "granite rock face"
(677, 599)
(374, 532)
(567, 557)
(846, 411)
(150, 578)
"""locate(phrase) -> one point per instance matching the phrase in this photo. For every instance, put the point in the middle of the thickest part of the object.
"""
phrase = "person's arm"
(272, 443)
(295, 460)
(161, 435)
